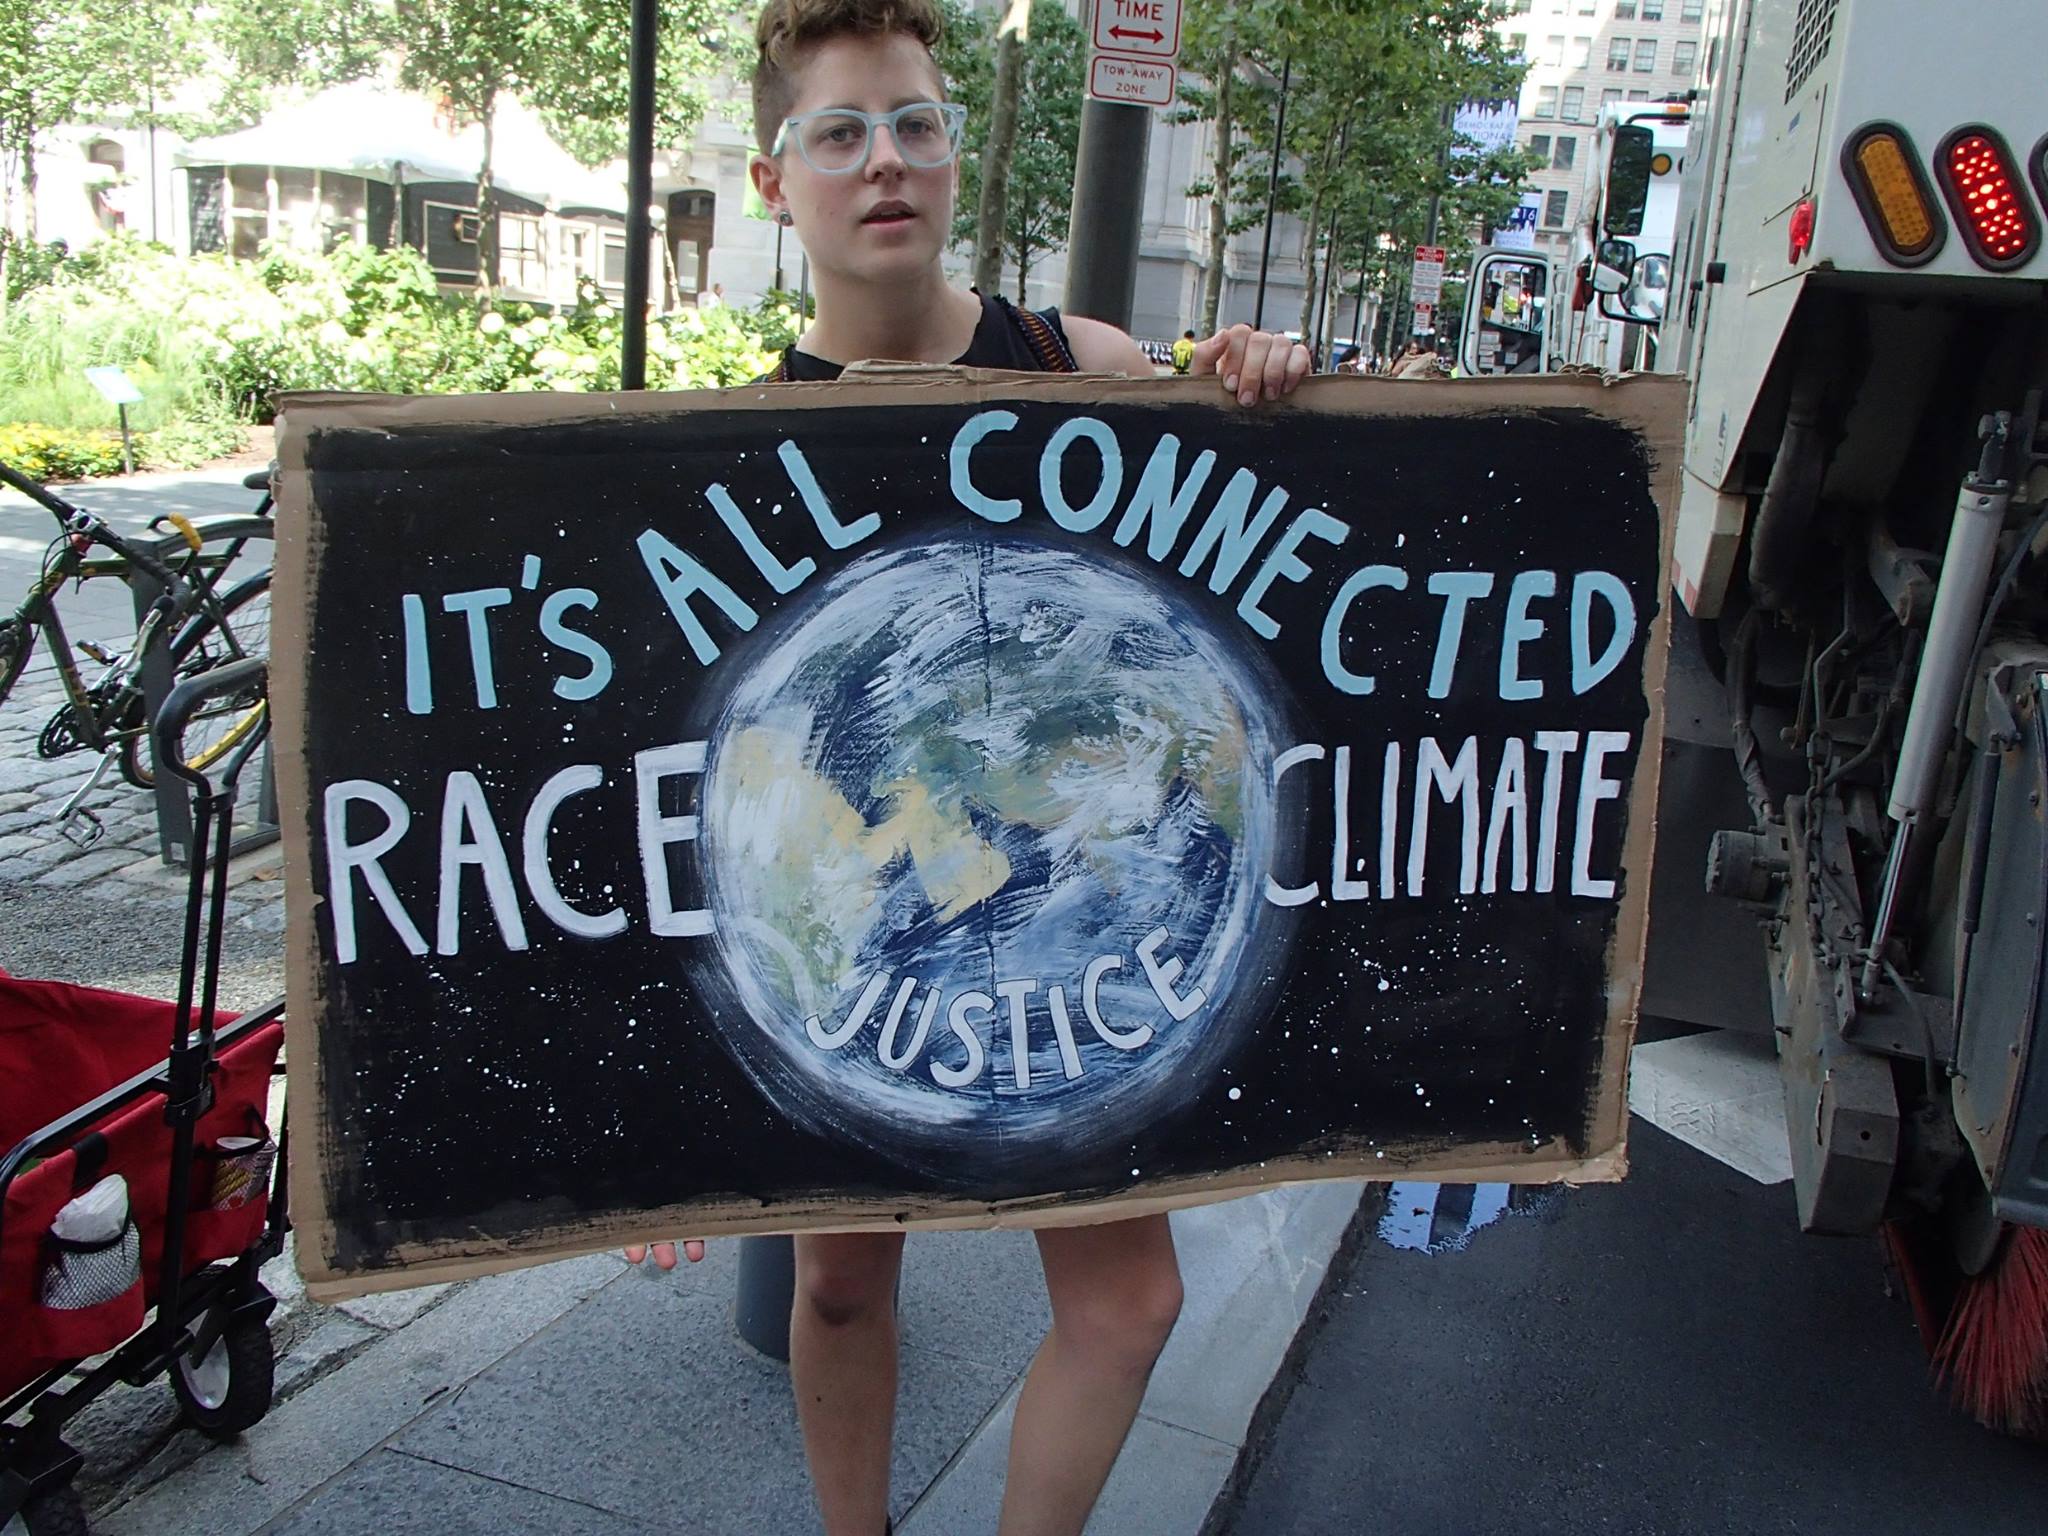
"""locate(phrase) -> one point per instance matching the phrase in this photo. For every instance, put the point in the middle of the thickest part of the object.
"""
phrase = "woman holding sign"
(860, 157)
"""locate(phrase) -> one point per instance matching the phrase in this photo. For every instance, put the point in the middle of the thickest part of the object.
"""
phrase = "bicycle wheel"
(243, 629)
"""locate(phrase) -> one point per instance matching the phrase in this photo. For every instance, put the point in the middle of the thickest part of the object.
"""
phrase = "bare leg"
(1115, 1295)
(842, 1367)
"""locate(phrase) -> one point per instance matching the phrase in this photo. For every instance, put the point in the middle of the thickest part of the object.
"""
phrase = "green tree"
(1039, 199)
(567, 58)
(64, 58)
(1371, 85)
(1229, 69)
(310, 44)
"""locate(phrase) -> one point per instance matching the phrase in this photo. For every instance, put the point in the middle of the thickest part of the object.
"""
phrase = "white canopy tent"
(364, 129)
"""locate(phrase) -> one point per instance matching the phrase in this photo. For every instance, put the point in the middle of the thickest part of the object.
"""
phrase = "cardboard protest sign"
(954, 798)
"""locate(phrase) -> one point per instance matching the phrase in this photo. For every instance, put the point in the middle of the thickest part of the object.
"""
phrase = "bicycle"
(191, 622)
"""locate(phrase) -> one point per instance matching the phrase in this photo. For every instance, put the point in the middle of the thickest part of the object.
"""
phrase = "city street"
(1668, 1355)
(1665, 1357)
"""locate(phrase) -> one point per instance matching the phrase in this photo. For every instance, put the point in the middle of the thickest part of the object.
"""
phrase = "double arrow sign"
(1136, 43)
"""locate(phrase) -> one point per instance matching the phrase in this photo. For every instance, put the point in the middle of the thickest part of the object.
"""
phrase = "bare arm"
(1253, 365)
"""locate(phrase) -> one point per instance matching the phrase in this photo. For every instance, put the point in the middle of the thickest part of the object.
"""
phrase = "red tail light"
(1983, 187)
(1799, 232)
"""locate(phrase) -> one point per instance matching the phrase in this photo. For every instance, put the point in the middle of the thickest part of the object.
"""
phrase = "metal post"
(127, 445)
(1436, 196)
(766, 1291)
(639, 192)
(1272, 195)
(1109, 205)
(1358, 304)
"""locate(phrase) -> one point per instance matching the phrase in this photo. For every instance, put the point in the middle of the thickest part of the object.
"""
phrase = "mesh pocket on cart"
(81, 1275)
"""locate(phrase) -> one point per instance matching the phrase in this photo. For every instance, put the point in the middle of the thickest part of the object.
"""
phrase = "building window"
(1521, 7)
(1574, 106)
(1553, 51)
(613, 272)
(1546, 101)
(1683, 56)
(578, 251)
(522, 254)
(1617, 55)
(1518, 45)
(1582, 52)
(1564, 152)
(1646, 55)
(1638, 95)
(1691, 10)
(1539, 145)
(1624, 10)
(1609, 98)
(1554, 205)
(1653, 10)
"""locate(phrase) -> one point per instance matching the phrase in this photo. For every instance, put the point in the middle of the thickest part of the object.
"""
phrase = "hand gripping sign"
(954, 799)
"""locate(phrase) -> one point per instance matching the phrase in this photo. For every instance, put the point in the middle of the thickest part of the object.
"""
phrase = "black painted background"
(492, 1094)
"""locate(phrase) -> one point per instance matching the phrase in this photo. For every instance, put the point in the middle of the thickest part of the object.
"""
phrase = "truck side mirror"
(1643, 299)
(1628, 179)
(1612, 264)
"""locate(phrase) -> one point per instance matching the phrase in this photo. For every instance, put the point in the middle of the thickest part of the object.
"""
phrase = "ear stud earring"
(785, 217)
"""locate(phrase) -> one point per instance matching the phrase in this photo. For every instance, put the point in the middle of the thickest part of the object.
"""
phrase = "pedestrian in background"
(1184, 352)
(859, 154)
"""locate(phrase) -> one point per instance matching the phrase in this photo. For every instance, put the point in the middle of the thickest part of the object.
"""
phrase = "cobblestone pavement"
(112, 913)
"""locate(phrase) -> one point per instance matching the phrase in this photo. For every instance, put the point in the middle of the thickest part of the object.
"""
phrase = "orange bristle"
(1993, 1356)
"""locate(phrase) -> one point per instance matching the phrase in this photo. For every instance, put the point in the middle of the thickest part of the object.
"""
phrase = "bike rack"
(173, 795)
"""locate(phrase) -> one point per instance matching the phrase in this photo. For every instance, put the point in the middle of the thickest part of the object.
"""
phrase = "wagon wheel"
(228, 1388)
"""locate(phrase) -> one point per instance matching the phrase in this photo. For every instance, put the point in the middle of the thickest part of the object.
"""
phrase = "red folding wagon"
(170, 1098)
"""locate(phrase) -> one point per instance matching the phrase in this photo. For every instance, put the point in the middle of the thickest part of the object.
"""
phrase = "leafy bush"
(57, 453)
(211, 341)
(29, 263)
(188, 444)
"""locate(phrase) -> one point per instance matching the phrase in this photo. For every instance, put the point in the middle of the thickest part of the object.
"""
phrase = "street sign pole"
(639, 192)
(1109, 185)
(1131, 70)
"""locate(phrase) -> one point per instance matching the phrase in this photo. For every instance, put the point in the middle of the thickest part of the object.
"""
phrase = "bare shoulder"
(1101, 348)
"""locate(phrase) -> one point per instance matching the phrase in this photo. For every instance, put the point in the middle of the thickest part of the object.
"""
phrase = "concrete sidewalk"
(587, 1396)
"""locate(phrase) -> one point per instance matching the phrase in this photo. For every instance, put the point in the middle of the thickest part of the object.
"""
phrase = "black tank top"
(1028, 341)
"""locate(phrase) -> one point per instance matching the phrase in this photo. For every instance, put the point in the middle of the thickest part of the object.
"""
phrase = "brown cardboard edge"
(299, 538)
(421, 1266)
(1652, 406)
(1662, 439)
(1635, 399)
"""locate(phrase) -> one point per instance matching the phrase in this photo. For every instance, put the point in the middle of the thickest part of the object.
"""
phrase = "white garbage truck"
(1854, 824)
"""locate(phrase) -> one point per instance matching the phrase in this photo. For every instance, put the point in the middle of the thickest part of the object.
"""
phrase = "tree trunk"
(1221, 170)
(1024, 277)
(28, 184)
(487, 214)
(1309, 243)
(1312, 230)
(995, 158)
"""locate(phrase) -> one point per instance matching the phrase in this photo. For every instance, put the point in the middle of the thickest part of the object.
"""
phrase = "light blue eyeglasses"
(839, 140)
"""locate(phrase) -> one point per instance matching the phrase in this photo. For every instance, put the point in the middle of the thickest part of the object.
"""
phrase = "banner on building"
(1489, 126)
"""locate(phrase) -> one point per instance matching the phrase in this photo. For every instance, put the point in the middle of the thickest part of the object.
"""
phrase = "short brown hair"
(788, 27)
